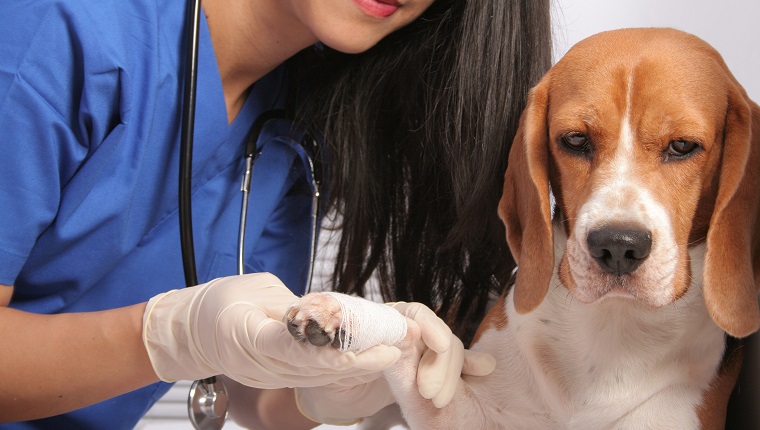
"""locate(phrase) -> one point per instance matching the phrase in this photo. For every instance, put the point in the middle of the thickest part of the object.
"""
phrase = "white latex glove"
(344, 403)
(445, 358)
(443, 362)
(233, 326)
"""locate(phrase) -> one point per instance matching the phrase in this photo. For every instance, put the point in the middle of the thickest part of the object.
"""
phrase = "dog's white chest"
(567, 365)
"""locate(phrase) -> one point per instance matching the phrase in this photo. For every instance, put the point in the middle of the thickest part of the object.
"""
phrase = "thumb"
(478, 363)
(435, 333)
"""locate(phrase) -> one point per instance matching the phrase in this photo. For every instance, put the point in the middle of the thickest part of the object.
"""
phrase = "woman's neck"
(251, 38)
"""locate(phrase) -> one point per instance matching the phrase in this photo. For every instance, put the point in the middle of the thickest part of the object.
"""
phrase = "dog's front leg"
(464, 410)
(353, 324)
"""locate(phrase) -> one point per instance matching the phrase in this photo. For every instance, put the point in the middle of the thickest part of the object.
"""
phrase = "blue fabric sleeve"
(54, 108)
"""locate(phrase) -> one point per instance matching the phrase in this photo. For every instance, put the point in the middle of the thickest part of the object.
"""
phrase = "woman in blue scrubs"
(415, 127)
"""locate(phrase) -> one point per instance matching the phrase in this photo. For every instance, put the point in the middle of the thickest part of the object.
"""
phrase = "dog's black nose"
(619, 250)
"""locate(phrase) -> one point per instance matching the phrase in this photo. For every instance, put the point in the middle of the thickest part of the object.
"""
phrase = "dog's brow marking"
(624, 151)
(622, 159)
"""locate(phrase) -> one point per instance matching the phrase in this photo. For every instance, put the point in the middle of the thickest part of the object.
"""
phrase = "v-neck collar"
(216, 140)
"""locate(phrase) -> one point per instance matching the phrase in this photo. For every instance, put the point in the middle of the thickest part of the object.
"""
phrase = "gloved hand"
(233, 326)
(443, 361)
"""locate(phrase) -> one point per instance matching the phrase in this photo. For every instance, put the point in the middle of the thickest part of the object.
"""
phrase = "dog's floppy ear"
(732, 261)
(524, 205)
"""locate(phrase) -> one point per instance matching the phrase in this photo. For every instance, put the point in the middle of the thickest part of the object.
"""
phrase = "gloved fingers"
(477, 363)
(268, 373)
(439, 374)
(244, 339)
(341, 405)
(263, 290)
(377, 358)
(273, 341)
(430, 373)
(232, 326)
(453, 375)
(435, 333)
(358, 380)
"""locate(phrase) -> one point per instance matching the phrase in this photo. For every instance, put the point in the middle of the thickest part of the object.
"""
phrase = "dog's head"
(650, 147)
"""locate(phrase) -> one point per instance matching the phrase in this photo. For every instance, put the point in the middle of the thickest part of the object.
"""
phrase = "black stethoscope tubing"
(186, 143)
(251, 154)
(207, 400)
(201, 413)
(186, 153)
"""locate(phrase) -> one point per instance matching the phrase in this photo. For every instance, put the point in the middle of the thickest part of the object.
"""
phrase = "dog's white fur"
(578, 347)
(615, 364)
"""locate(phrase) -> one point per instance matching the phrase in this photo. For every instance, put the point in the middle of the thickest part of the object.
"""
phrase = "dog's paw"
(316, 319)
(344, 322)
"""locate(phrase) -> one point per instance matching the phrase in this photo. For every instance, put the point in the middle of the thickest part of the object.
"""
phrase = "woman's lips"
(378, 8)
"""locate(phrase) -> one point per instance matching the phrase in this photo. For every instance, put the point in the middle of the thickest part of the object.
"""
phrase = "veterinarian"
(408, 132)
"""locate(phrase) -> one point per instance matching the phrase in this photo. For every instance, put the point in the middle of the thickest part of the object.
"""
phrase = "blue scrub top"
(89, 147)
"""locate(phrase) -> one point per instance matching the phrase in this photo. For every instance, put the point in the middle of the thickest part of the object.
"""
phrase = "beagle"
(632, 205)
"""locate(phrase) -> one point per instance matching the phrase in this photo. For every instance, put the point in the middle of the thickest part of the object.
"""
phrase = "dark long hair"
(418, 131)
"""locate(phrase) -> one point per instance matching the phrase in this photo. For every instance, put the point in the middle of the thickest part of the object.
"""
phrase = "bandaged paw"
(345, 322)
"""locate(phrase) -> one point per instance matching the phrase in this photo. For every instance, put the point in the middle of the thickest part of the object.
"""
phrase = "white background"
(731, 26)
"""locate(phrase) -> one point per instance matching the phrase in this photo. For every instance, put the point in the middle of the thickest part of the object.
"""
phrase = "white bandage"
(366, 323)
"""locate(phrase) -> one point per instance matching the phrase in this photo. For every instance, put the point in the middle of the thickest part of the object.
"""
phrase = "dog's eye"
(681, 148)
(576, 141)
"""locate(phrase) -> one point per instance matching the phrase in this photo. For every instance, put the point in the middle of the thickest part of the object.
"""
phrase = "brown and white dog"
(628, 285)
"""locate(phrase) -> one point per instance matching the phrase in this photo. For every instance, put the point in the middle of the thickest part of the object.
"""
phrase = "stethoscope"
(208, 401)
